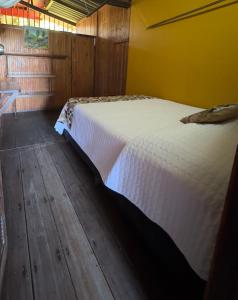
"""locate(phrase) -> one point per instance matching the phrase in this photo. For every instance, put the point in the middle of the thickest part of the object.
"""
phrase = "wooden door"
(82, 66)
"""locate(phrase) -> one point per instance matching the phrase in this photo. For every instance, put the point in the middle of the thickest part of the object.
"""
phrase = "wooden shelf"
(30, 75)
(35, 94)
(53, 56)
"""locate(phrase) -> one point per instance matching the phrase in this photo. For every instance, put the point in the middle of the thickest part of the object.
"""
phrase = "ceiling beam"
(43, 11)
(120, 3)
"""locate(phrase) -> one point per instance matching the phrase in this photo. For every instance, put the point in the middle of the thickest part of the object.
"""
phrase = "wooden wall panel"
(82, 66)
(85, 70)
(60, 44)
(88, 25)
(104, 84)
(120, 67)
(2, 66)
(33, 103)
(113, 23)
(111, 26)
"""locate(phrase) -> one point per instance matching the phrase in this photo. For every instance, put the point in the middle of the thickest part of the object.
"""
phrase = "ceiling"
(71, 11)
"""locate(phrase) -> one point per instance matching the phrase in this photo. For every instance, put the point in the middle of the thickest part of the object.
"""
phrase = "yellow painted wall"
(194, 61)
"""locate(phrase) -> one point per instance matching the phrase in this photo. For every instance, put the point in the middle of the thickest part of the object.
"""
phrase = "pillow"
(216, 114)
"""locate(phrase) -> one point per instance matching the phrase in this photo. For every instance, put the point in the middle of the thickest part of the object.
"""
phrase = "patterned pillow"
(218, 114)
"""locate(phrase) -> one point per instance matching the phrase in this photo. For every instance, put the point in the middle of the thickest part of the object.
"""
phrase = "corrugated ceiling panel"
(74, 10)
(68, 13)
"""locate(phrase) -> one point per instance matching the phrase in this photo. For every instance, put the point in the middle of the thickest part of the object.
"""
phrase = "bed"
(103, 129)
(176, 174)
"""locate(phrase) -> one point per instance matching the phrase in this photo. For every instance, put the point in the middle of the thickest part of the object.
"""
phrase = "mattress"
(179, 178)
(103, 129)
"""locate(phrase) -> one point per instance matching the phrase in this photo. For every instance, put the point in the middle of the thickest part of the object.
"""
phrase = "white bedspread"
(176, 174)
(103, 129)
(179, 179)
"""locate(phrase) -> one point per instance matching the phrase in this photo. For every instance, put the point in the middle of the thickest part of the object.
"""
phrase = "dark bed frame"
(164, 251)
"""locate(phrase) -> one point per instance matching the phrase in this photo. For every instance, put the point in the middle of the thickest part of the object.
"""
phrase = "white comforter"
(176, 174)
(103, 129)
(179, 179)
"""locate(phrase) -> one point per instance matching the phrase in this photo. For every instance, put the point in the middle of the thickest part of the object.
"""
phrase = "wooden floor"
(65, 238)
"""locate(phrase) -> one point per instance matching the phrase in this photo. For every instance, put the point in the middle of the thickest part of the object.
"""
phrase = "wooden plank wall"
(82, 66)
(88, 25)
(85, 71)
(111, 26)
(62, 84)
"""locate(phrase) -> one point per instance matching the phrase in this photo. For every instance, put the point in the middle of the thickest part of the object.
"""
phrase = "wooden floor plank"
(17, 279)
(50, 274)
(45, 122)
(8, 138)
(86, 273)
(107, 249)
(152, 277)
(27, 132)
(62, 238)
(28, 129)
(47, 127)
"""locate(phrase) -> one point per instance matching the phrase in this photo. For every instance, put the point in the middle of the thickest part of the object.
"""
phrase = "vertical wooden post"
(6, 72)
(223, 281)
